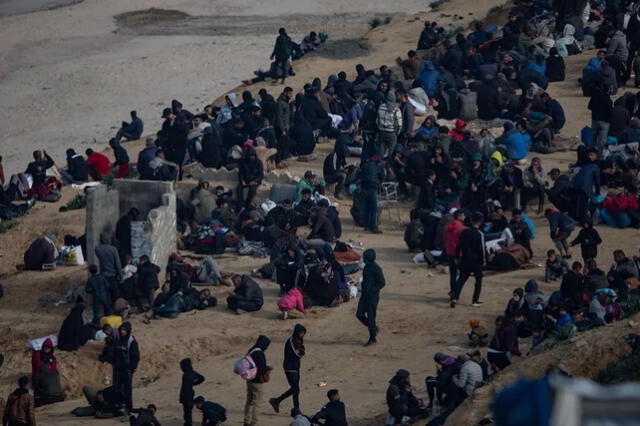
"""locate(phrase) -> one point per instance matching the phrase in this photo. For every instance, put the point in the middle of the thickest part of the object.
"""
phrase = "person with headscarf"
(372, 282)
(72, 332)
(255, 390)
(400, 399)
(293, 352)
(555, 68)
(43, 357)
(42, 251)
(125, 363)
(190, 378)
(303, 139)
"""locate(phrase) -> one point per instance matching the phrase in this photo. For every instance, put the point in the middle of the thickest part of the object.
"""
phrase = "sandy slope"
(414, 315)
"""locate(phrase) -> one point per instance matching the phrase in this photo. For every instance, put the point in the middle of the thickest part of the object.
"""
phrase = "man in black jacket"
(76, 167)
(427, 197)
(471, 252)
(401, 400)
(281, 53)
(250, 175)
(174, 132)
(147, 281)
(190, 378)
(334, 413)
(371, 177)
(293, 353)
(248, 295)
(213, 413)
(372, 282)
(38, 168)
(125, 363)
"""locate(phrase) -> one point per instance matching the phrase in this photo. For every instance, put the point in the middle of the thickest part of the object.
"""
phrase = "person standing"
(190, 378)
(282, 122)
(20, 407)
(372, 282)
(281, 53)
(371, 177)
(600, 106)
(471, 252)
(125, 362)
(254, 386)
(110, 265)
(451, 236)
(98, 287)
(293, 352)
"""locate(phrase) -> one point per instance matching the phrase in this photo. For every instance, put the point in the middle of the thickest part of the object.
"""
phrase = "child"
(555, 268)
(478, 335)
(190, 378)
(291, 303)
(589, 239)
(129, 277)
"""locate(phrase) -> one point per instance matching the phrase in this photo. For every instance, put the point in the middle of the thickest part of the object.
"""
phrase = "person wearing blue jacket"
(429, 77)
(516, 142)
(98, 287)
(588, 178)
(131, 131)
(560, 227)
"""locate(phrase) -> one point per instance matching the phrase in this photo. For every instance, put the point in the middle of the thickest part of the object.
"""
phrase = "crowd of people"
(470, 190)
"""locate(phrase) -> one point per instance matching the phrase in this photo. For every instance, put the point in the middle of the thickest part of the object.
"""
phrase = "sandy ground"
(414, 315)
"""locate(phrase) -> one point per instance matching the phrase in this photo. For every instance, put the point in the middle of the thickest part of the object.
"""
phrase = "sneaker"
(453, 303)
(275, 404)
(240, 311)
(476, 304)
(370, 342)
(285, 315)
(376, 231)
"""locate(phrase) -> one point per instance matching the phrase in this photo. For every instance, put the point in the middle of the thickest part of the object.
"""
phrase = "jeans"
(171, 308)
(465, 273)
(600, 131)
(253, 402)
(453, 274)
(366, 314)
(370, 209)
(337, 178)
(236, 302)
(322, 247)
(293, 378)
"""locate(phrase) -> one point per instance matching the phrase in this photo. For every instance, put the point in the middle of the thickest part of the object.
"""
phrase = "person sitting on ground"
(247, 295)
(504, 343)
(311, 182)
(99, 165)
(20, 406)
(555, 267)
(438, 386)
(41, 254)
(185, 301)
(292, 304)
(333, 171)
(213, 414)
(224, 213)
(334, 413)
(122, 159)
(39, 166)
(131, 131)
(73, 333)
(163, 169)
(401, 401)
(45, 376)
(322, 234)
(622, 271)
(478, 336)
(468, 378)
(77, 169)
(146, 416)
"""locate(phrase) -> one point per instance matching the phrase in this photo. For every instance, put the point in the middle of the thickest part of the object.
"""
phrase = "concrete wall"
(102, 214)
(154, 236)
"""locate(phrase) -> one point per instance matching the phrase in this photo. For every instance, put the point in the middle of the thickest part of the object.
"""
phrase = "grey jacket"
(469, 377)
(618, 46)
(108, 257)
(468, 104)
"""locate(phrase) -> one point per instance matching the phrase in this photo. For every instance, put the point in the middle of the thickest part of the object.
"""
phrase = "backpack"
(246, 367)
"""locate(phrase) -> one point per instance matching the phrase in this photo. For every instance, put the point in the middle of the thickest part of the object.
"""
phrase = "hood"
(175, 105)
(460, 124)
(369, 256)
(428, 65)
(185, 365)
(569, 30)
(594, 63)
(298, 329)
(232, 97)
(127, 327)
(48, 343)
(391, 100)
(531, 286)
(400, 375)
(263, 343)
(105, 238)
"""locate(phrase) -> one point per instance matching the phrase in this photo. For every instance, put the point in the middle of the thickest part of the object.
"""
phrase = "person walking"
(371, 177)
(20, 407)
(293, 352)
(452, 233)
(190, 378)
(281, 53)
(125, 362)
(471, 252)
(372, 282)
(254, 386)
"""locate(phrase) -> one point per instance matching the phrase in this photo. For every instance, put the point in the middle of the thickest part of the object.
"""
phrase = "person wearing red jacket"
(99, 166)
(451, 236)
(43, 357)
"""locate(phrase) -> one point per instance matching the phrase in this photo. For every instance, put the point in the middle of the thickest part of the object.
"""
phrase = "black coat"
(72, 333)
(249, 291)
(213, 152)
(315, 113)
(589, 239)
(77, 168)
(148, 277)
(190, 378)
(427, 198)
(471, 248)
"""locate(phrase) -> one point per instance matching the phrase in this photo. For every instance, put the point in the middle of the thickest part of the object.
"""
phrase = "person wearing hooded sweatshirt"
(429, 76)
(517, 143)
(555, 68)
(125, 363)
(504, 343)
(601, 106)
(20, 407)
(110, 266)
(437, 386)
(76, 167)
(190, 378)
(254, 387)
(293, 353)
(250, 175)
(372, 282)
(401, 400)
(389, 123)
(282, 52)
(44, 357)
